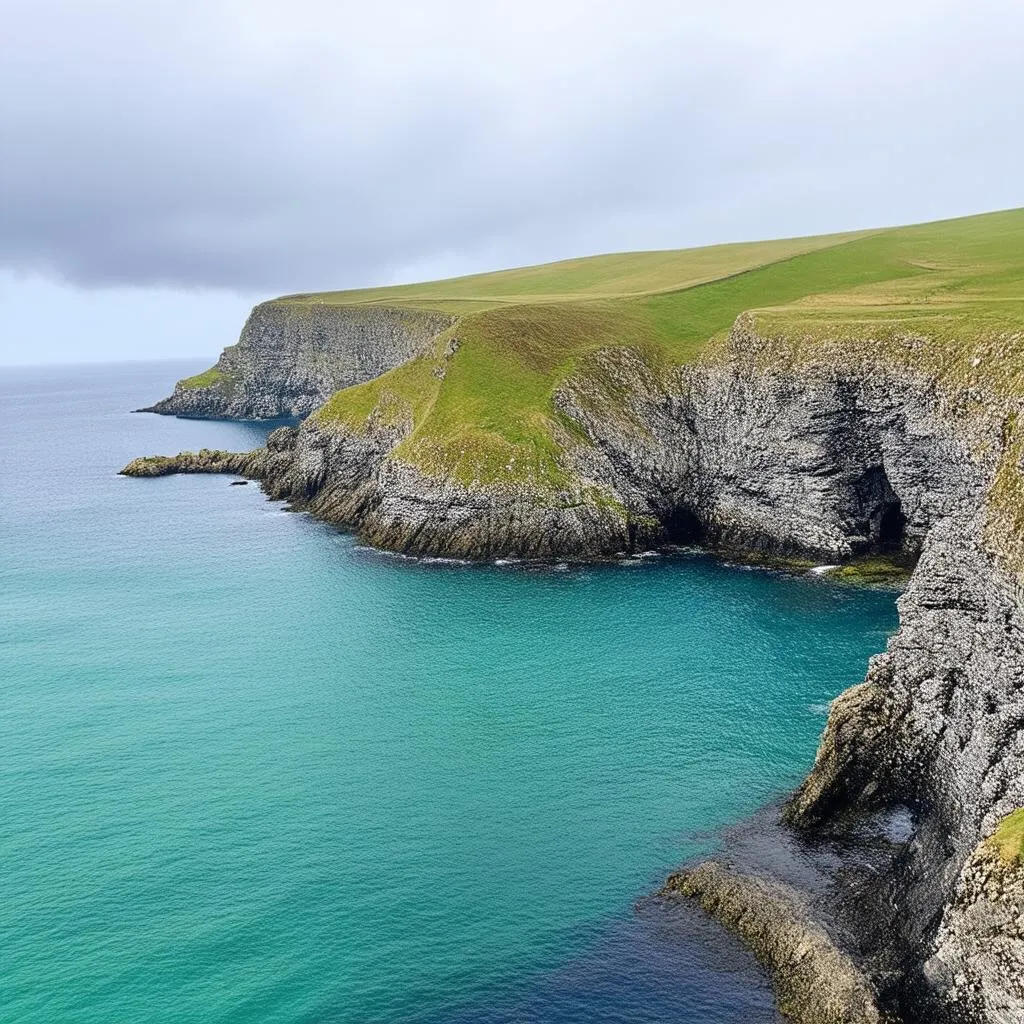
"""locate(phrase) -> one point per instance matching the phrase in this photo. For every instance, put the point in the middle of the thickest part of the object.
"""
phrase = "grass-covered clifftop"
(477, 404)
(480, 402)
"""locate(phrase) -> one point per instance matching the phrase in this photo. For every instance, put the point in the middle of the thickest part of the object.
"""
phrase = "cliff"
(293, 355)
(826, 427)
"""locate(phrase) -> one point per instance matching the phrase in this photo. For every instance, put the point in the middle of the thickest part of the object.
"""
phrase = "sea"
(253, 771)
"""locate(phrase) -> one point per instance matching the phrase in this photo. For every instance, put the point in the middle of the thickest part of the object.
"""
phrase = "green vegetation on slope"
(876, 571)
(591, 277)
(484, 412)
(491, 417)
(206, 379)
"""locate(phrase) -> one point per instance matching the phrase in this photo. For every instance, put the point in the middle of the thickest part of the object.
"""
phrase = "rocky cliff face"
(758, 450)
(291, 357)
(824, 463)
(980, 945)
(939, 725)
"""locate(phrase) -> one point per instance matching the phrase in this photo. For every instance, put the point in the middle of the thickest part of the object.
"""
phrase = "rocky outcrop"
(979, 952)
(939, 725)
(827, 459)
(293, 355)
(351, 479)
(814, 980)
(206, 460)
(765, 450)
(257, 465)
(825, 464)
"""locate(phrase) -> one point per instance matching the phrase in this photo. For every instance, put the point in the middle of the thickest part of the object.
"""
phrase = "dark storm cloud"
(264, 146)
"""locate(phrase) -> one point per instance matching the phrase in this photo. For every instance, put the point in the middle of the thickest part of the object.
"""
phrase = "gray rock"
(979, 951)
(292, 356)
(814, 980)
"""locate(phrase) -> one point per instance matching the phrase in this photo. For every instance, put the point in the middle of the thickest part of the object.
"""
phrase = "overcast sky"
(164, 165)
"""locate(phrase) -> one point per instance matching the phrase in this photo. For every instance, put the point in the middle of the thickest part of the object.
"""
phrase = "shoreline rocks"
(814, 980)
(206, 460)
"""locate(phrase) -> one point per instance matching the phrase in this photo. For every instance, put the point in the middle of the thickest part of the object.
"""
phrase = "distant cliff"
(293, 355)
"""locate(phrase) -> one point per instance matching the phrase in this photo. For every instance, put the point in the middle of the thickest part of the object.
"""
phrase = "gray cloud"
(270, 147)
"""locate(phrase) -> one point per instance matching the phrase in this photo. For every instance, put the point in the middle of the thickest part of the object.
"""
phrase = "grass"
(484, 412)
(206, 379)
(1008, 838)
(593, 277)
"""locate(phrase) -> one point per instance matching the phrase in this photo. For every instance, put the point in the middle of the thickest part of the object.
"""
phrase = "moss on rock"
(1008, 838)
(874, 571)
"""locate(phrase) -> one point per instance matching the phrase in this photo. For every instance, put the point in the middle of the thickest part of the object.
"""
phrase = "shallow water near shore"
(252, 771)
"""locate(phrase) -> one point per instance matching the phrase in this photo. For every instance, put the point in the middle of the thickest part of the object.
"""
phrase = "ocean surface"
(250, 771)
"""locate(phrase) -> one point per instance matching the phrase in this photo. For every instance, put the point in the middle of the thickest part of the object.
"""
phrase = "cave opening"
(892, 526)
(681, 526)
(880, 511)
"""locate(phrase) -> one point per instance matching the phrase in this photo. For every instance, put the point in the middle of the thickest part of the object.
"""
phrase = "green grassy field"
(485, 412)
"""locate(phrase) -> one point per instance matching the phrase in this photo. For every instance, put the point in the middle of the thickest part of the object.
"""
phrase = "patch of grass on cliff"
(480, 404)
(1008, 838)
(946, 297)
(401, 395)
(205, 379)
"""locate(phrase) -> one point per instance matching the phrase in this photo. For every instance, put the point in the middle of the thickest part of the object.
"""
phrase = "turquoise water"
(252, 772)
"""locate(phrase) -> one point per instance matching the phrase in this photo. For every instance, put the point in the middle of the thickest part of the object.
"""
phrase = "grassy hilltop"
(481, 401)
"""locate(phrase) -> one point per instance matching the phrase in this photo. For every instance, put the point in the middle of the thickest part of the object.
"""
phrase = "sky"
(163, 166)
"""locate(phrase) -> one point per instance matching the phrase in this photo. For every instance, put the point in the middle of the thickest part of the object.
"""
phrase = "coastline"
(783, 454)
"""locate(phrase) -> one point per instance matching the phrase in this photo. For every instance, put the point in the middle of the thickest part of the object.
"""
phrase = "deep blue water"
(250, 771)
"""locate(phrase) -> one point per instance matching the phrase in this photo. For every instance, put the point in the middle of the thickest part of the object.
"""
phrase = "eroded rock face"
(351, 479)
(823, 465)
(291, 357)
(938, 724)
(826, 462)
